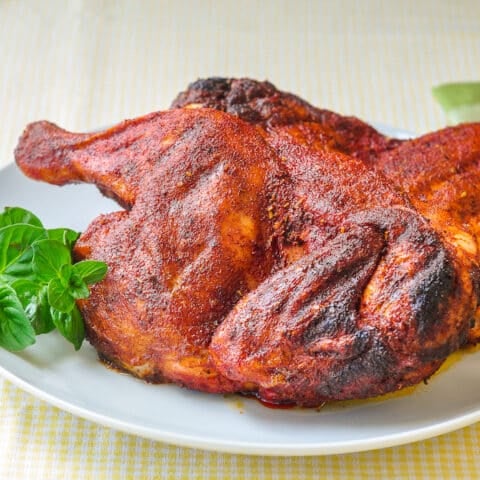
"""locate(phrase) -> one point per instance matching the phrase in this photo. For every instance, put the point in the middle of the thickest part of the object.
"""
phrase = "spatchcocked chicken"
(271, 248)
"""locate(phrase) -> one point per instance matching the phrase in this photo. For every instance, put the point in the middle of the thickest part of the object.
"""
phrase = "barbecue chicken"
(271, 259)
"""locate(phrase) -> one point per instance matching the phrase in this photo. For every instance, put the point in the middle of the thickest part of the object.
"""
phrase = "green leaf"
(16, 332)
(59, 295)
(12, 215)
(38, 283)
(91, 271)
(15, 249)
(48, 258)
(70, 325)
(460, 101)
(63, 235)
(78, 287)
(34, 300)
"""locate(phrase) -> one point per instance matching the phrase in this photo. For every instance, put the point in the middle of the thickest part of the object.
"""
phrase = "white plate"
(80, 384)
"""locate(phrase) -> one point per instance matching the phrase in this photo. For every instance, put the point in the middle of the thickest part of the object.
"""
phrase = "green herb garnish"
(39, 283)
(459, 101)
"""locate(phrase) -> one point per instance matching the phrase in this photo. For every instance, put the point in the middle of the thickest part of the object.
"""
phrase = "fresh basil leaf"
(78, 287)
(63, 235)
(22, 268)
(12, 215)
(16, 332)
(70, 325)
(38, 282)
(15, 249)
(48, 258)
(34, 300)
(90, 271)
(27, 292)
(65, 272)
(59, 295)
(460, 101)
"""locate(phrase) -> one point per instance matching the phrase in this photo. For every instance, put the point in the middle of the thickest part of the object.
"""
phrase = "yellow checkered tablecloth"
(41, 442)
(85, 63)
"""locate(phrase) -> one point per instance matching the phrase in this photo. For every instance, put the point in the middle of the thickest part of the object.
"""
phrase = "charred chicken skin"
(259, 259)
(260, 103)
(438, 172)
(194, 238)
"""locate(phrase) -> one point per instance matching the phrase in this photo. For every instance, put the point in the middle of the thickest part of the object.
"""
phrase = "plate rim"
(241, 447)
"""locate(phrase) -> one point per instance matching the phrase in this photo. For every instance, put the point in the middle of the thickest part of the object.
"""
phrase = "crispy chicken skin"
(259, 260)
(438, 172)
(196, 238)
(260, 103)
(374, 302)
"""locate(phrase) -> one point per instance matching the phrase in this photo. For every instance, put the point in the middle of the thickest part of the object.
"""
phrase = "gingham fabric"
(42, 442)
(84, 64)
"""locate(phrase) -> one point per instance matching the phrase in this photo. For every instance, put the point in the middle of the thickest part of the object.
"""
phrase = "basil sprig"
(39, 283)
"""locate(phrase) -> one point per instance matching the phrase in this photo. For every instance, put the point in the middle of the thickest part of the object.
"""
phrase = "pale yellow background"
(85, 64)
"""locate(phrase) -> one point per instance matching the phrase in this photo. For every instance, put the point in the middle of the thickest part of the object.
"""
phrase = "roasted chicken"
(195, 235)
(260, 103)
(262, 259)
(438, 172)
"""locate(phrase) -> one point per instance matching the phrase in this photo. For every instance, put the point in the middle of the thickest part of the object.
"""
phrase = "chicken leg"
(196, 238)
